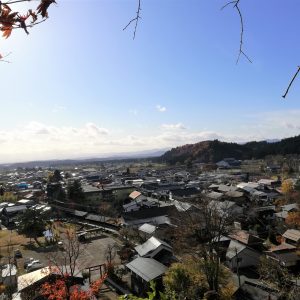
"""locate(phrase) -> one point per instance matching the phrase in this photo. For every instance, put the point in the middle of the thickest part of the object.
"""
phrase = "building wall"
(247, 258)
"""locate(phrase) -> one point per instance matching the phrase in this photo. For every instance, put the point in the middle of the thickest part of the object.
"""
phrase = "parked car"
(60, 245)
(17, 253)
(27, 261)
(34, 265)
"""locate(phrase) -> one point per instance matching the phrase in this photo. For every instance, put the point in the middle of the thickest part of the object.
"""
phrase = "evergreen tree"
(57, 176)
(75, 192)
(1, 190)
(32, 223)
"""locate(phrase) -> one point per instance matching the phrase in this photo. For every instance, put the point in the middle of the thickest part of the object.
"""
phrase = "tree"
(61, 195)
(8, 197)
(66, 261)
(54, 177)
(277, 277)
(32, 223)
(64, 265)
(57, 176)
(293, 219)
(287, 188)
(55, 191)
(110, 255)
(185, 279)
(216, 224)
(2, 190)
(63, 289)
(75, 192)
(204, 226)
(11, 19)
(188, 280)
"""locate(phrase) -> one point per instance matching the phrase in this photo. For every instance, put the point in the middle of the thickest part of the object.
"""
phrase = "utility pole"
(237, 266)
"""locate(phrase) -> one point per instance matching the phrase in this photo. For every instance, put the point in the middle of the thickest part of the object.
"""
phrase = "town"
(149, 150)
(194, 230)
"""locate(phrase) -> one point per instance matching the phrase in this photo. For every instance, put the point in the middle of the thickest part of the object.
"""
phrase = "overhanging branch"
(135, 20)
(291, 82)
(235, 5)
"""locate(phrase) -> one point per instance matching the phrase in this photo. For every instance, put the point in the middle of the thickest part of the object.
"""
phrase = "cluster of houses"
(154, 203)
(257, 217)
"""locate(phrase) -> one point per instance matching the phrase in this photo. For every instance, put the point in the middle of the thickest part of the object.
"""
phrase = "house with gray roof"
(153, 248)
(143, 270)
(284, 254)
(239, 255)
(11, 213)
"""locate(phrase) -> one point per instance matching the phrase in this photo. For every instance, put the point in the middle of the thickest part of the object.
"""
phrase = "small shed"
(143, 270)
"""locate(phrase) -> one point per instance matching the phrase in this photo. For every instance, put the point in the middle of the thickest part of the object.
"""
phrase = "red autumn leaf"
(33, 15)
(43, 6)
(6, 31)
(58, 289)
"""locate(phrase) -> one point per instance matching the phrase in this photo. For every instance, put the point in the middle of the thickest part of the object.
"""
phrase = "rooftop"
(135, 194)
(147, 268)
(147, 228)
(150, 245)
(234, 248)
(292, 234)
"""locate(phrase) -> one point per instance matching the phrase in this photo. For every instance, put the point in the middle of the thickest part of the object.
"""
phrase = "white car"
(27, 261)
(34, 265)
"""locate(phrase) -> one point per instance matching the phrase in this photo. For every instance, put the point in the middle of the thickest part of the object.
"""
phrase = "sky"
(79, 86)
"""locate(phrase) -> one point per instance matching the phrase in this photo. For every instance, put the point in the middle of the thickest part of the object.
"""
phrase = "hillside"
(213, 151)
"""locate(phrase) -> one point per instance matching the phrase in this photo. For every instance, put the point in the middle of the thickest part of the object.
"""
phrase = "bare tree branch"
(135, 20)
(291, 82)
(229, 3)
(3, 60)
(17, 1)
(241, 49)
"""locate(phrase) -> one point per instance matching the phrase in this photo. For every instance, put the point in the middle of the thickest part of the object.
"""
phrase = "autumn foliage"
(11, 19)
(287, 187)
(62, 289)
(293, 219)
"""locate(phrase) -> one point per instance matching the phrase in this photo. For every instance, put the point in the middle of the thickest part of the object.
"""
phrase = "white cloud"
(276, 124)
(93, 130)
(40, 141)
(177, 126)
(161, 108)
(36, 140)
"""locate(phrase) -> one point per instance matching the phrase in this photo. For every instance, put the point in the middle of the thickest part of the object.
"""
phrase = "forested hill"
(213, 151)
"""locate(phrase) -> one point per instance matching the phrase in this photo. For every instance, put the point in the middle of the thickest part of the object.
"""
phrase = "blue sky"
(80, 86)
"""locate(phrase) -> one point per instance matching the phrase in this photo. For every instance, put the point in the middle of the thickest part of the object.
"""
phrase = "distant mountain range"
(213, 151)
(207, 151)
(87, 160)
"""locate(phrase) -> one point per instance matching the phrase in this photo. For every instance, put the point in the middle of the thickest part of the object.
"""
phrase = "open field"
(10, 240)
